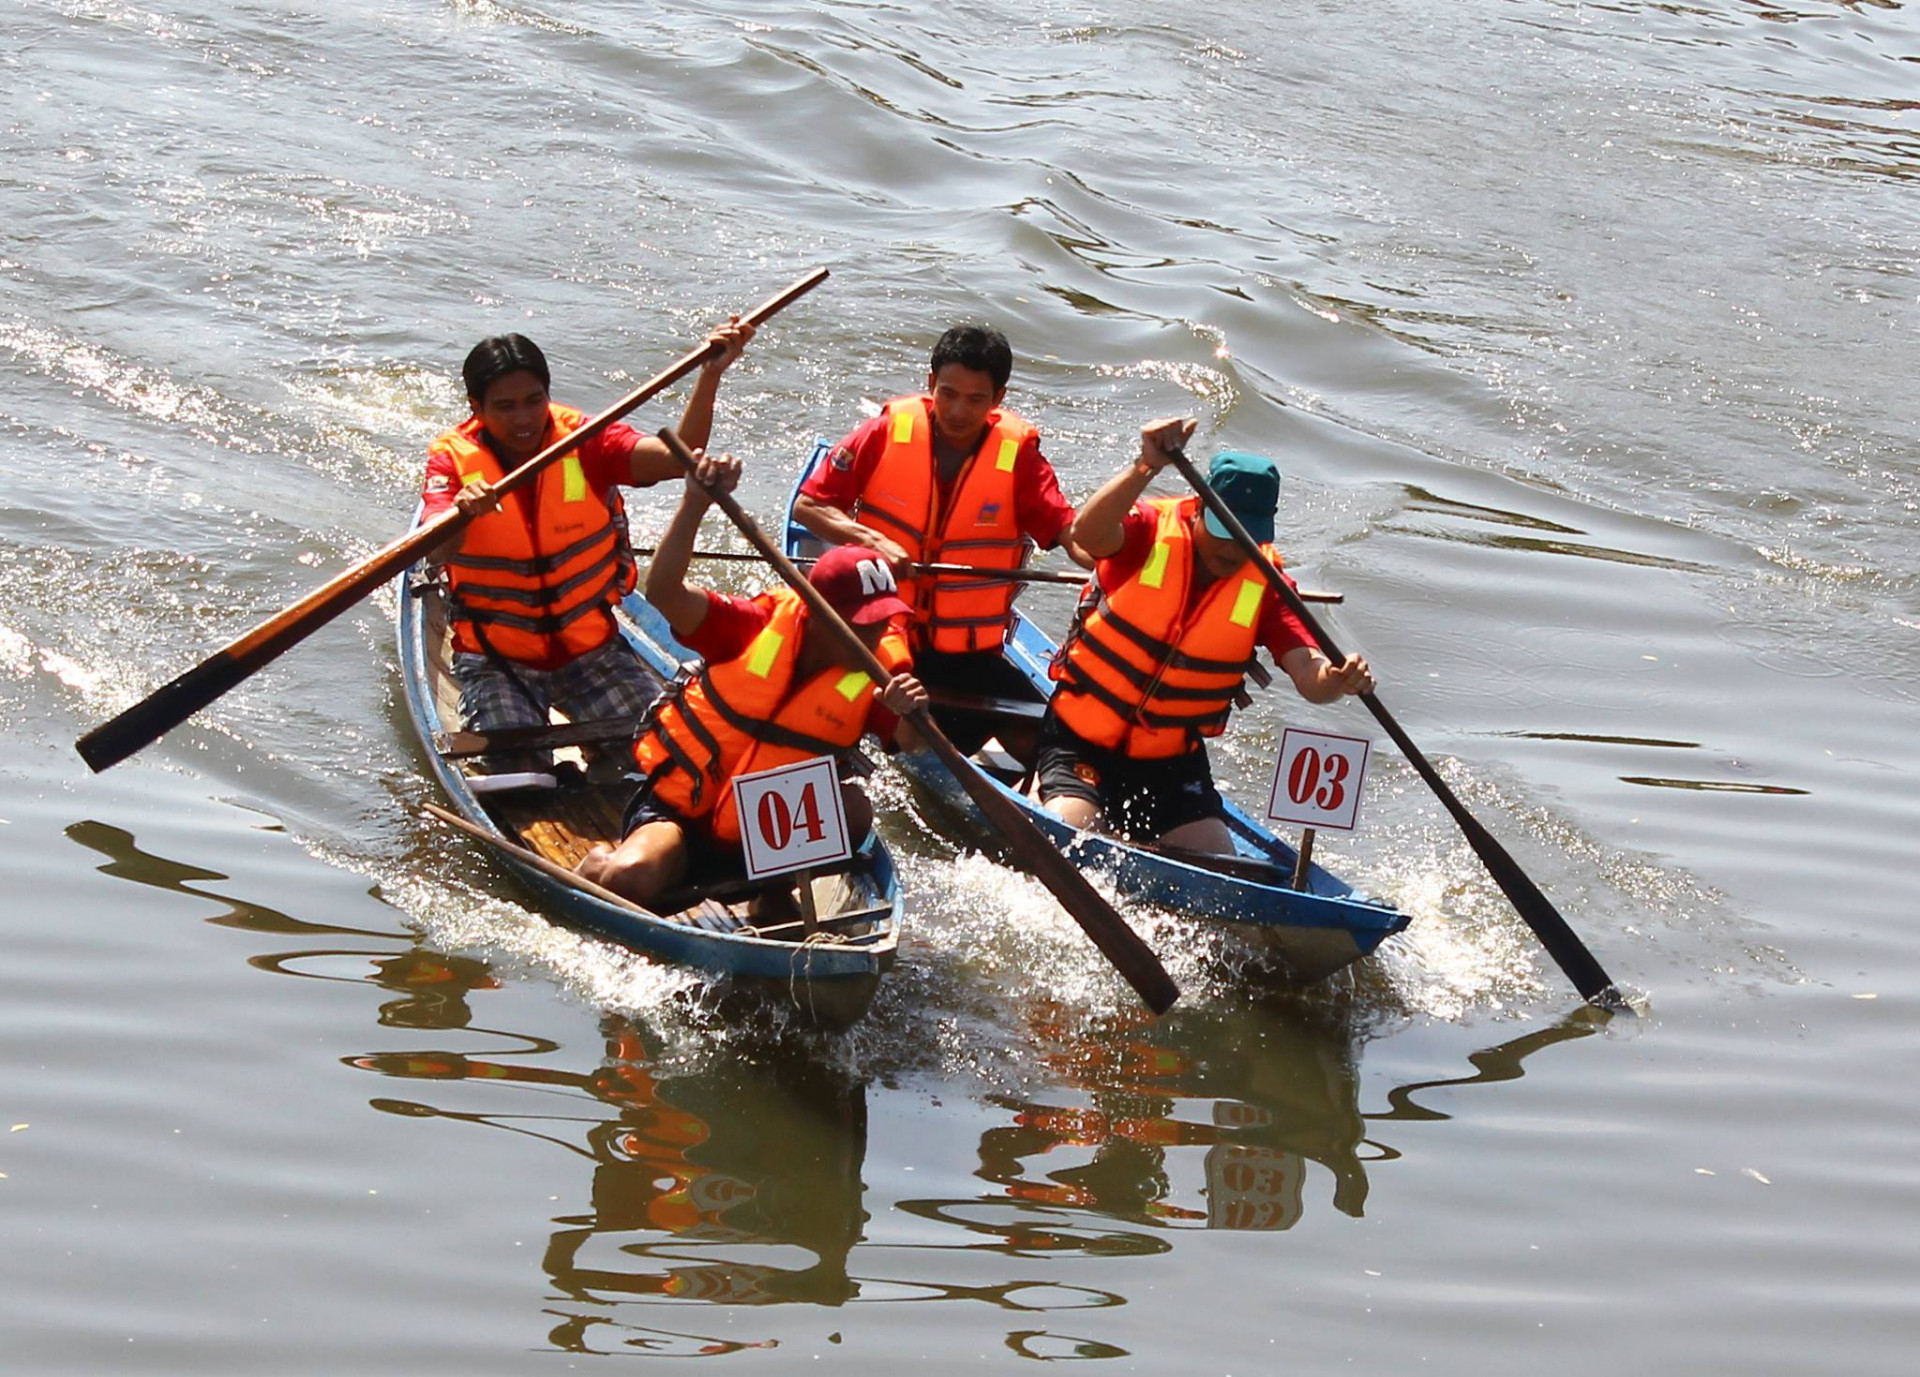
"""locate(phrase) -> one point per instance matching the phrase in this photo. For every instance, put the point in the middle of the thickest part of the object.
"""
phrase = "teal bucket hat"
(1250, 486)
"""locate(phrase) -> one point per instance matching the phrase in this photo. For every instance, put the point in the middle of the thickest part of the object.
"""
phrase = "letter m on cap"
(876, 578)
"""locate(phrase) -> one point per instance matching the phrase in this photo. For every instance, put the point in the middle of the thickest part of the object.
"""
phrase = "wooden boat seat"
(461, 745)
(986, 704)
(722, 907)
(828, 923)
(708, 914)
(740, 887)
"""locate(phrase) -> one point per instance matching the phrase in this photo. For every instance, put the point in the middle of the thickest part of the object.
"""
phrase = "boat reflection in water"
(1204, 1119)
(737, 1181)
(1123, 1131)
(735, 1184)
(740, 1182)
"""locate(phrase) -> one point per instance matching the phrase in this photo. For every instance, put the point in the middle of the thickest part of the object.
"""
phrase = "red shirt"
(728, 629)
(1040, 510)
(606, 459)
(1279, 630)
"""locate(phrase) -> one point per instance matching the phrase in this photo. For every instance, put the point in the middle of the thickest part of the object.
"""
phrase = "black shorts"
(1141, 800)
(707, 856)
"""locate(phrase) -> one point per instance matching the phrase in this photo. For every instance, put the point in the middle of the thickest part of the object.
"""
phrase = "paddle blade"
(180, 698)
(160, 712)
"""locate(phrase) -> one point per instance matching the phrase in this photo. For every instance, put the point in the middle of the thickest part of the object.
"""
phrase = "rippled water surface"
(1585, 336)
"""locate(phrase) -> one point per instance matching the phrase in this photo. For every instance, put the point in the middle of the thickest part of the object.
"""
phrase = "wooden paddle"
(1560, 940)
(971, 571)
(174, 702)
(553, 870)
(1119, 943)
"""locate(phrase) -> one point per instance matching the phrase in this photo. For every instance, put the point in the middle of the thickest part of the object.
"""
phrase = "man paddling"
(1153, 664)
(773, 689)
(948, 476)
(534, 578)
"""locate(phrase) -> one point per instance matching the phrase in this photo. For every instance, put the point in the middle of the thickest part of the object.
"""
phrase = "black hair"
(498, 355)
(979, 347)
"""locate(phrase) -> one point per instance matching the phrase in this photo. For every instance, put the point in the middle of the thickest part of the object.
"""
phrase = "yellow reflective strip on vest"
(763, 652)
(574, 478)
(1008, 449)
(852, 682)
(1155, 572)
(467, 480)
(902, 427)
(1247, 602)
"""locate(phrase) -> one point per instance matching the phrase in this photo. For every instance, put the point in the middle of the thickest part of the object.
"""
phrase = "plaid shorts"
(610, 681)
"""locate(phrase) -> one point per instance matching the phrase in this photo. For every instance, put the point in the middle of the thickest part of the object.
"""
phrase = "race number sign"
(790, 817)
(1318, 780)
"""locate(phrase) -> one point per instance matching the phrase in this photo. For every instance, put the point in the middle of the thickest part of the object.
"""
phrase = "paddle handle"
(180, 698)
(969, 571)
(1119, 943)
(1561, 942)
(772, 306)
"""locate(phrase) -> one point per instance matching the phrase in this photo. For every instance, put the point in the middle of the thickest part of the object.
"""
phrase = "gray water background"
(1585, 335)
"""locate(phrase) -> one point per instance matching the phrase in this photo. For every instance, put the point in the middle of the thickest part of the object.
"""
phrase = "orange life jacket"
(749, 714)
(1147, 676)
(536, 577)
(975, 522)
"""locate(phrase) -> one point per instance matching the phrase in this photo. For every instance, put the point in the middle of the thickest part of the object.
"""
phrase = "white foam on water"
(72, 673)
(493, 11)
(16, 652)
(1460, 953)
(676, 1002)
(138, 390)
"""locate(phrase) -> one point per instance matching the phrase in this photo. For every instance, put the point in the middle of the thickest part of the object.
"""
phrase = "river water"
(1585, 335)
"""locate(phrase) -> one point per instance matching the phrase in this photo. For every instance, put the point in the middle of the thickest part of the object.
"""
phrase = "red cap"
(858, 583)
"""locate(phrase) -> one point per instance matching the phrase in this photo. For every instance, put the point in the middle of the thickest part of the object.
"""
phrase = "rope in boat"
(809, 944)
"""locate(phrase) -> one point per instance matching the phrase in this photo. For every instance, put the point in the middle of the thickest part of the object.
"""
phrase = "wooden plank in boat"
(743, 888)
(985, 704)
(838, 920)
(561, 824)
(1234, 864)
(463, 744)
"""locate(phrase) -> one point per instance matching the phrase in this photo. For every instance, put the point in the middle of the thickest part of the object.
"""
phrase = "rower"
(947, 476)
(1152, 666)
(534, 578)
(774, 689)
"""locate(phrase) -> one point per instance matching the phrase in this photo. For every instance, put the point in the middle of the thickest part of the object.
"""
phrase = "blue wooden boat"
(1294, 936)
(828, 979)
